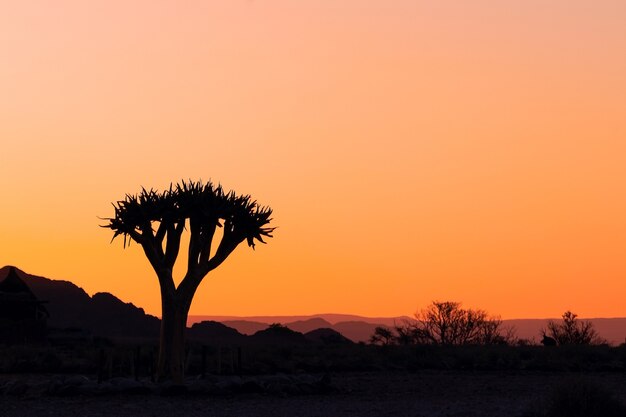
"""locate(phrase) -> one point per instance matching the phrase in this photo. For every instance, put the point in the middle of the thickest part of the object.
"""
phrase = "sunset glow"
(411, 150)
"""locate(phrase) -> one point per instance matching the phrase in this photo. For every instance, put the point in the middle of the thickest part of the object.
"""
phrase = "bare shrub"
(571, 331)
(446, 323)
(382, 336)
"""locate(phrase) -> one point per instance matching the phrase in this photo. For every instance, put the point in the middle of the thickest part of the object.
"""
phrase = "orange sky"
(412, 150)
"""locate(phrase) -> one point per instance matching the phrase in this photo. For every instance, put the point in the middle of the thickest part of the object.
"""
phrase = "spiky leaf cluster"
(204, 205)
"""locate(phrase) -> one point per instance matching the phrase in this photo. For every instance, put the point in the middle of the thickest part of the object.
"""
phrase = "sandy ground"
(422, 394)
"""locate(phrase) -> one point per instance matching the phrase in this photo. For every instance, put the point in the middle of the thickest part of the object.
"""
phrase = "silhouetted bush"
(446, 323)
(571, 331)
(384, 336)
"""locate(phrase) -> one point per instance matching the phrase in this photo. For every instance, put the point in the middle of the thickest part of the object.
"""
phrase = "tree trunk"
(172, 343)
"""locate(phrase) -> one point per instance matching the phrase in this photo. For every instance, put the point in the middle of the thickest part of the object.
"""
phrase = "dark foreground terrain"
(421, 393)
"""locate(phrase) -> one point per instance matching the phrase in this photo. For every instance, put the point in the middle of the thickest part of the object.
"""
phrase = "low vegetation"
(571, 331)
(446, 323)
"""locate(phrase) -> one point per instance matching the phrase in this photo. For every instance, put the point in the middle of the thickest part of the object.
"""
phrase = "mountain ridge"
(106, 315)
(102, 314)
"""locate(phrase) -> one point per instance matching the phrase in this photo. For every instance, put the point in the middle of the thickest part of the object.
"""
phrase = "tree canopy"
(152, 218)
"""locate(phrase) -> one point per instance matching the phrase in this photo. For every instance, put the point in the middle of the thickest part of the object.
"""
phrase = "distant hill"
(355, 328)
(243, 326)
(102, 315)
(359, 331)
(613, 330)
(213, 332)
(305, 326)
(217, 334)
(331, 318)
(277, 335)
(327, 336)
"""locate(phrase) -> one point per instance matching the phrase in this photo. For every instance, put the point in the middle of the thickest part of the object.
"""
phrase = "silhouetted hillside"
(215, 333)
(110, 316)
(328, 337)
(278, 335)
(244, 326)
(305, 326)
(360, 329)
(356, 330)
(106, 315)
(102, 315)
(67, 303)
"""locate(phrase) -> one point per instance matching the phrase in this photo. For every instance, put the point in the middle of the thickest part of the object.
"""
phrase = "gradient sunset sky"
(412, 151)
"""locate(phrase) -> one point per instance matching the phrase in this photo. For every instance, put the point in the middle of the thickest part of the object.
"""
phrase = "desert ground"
(417, 394)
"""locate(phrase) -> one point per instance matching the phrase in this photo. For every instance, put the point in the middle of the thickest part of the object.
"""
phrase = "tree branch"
(172, 247)
(136, 236)
(205, 242)
(194, 276)
(194, 245)
(160, 234)
(149, 237)
(188, 286)
(155, 256)
(226, 247)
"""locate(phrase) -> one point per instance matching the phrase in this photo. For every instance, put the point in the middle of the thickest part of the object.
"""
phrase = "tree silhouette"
(382, 336)
(156, 221)
(571, 331)
(445, 323)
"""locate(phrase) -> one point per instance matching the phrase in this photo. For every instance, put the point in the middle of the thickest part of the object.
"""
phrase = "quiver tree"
(156, 221)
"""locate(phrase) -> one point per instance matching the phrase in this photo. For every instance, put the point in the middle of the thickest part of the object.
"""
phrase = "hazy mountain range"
(105, 315)
(358, 328)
